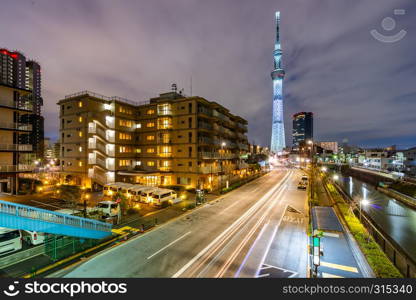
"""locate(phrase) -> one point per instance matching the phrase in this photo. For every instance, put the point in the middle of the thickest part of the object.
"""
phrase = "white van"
(108, 208)
(146, 194)
(10, 240)
(110, 189)
(134, 192)
(163, 195)
(33, 237)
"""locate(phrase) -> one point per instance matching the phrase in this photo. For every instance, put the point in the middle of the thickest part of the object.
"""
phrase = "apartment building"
(14, 156)
(169, 140)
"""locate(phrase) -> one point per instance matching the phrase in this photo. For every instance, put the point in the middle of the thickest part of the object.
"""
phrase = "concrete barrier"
(410, 201)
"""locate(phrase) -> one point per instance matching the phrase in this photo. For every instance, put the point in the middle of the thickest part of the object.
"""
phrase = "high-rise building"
(16, 71)
(331, 146)
(14, 155)
(278, 130)
(302, 128)
(169, 140)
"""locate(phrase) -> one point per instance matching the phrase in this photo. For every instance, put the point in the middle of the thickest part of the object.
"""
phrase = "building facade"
(169, 140)
(278, 130)
(16, 71)
(302, 128)
(14, 155)
(329, 146)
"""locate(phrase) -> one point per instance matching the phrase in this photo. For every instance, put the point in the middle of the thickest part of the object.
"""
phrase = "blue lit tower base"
(278, 129)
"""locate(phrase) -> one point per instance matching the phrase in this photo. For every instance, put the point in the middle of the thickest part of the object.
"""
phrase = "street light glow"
(365, 202)
(324, 169)
(335, 177)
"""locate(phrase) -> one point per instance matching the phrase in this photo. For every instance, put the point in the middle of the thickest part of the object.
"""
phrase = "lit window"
(139, 125)
(126, 123)
(80, 133)
(80, 163)
(124, 136)
(150, 111)
(124, 163)
(150, 163)
(79, 103)
(150, 124)
(138, 150)
(80, 149)
(80, 119)
(151, 150)
(150, 137)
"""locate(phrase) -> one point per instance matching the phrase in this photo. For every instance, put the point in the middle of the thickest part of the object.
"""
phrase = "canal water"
(396, 219)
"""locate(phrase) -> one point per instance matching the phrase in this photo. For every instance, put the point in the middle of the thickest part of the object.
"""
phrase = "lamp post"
(223, 144)
(363, 202)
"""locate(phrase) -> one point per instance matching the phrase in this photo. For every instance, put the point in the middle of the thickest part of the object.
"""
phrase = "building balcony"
(15, 126)
(216, 155)
(203, 125)
(165, 169)
(209, 170)
(16, 168)
(16, 147)
(205, 140)
(18, 105)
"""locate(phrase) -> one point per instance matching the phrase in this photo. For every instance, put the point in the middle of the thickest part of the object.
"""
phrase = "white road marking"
(329, 234)
(219, 237)
(168, 245)
(328, 275)
(263, 275)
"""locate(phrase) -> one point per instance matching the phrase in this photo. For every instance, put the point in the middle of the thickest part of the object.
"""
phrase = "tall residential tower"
(278, 130)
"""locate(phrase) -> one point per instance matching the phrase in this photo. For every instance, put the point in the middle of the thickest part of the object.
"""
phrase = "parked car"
(10, 240)
(33, 237)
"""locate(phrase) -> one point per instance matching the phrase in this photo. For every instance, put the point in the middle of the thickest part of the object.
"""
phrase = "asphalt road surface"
(258, 226)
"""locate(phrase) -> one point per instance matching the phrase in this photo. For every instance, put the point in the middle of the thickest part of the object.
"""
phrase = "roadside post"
(316, 243)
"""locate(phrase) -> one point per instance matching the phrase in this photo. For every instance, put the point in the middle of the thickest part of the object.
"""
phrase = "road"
(258, 230)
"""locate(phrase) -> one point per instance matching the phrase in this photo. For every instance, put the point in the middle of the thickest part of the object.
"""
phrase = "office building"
(302, 128)
(169, 140)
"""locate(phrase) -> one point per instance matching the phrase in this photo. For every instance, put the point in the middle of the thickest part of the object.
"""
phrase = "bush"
(132, 211)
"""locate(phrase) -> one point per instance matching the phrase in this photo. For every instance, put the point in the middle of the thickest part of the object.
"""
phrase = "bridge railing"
(52, 217)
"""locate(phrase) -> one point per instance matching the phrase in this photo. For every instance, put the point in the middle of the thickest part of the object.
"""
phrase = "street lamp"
(364, 202)
(223, 144)
(335, 177)
(324, 169)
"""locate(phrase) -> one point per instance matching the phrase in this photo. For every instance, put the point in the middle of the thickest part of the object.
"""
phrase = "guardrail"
(38, 214)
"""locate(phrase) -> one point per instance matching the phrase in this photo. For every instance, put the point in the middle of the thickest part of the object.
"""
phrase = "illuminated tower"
(278, 130)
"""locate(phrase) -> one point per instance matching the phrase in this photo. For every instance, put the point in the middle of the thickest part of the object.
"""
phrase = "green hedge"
(377, 259)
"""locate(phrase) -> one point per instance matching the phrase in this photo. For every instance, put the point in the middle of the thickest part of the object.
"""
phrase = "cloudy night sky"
(357, 87)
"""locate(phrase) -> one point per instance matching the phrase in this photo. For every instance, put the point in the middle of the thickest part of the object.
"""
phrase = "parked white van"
(108, 208)
(146, 194)
(134, 192)
(10, 240)
(33, 237)
(163, 195)
(110, 189)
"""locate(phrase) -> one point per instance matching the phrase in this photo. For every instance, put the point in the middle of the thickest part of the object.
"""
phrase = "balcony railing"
(209, 170)
(205, 140)
(22, 105)
(216, 155)
(165, 169)
(16, 168)
(16, 147)
(106, 98)
(202, 125)
(16, 126)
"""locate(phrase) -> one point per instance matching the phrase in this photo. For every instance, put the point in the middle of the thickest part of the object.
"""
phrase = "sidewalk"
(342, 255)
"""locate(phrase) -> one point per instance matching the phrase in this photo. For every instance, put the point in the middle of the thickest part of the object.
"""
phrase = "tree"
(122, 200)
